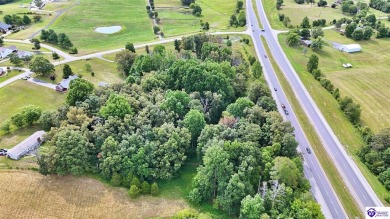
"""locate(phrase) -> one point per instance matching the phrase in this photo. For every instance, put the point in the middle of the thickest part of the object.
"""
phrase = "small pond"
(108, 30)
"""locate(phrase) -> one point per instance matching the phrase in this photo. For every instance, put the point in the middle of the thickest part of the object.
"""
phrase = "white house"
(350, 48)
(22, 54)
(4, 52)
(64, 84)
(29, 144)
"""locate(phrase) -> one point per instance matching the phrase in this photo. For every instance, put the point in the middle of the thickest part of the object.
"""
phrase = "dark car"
(308, 150)
(265, 56)
(275, 89)
(3, 153)
(286, 112)
(283, 106)
(262, 30)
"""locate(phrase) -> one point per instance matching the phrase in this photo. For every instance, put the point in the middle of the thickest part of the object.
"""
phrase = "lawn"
(89, 14)
(9, 74)
(296, 12)
(177, 21)
(330, 64)
(27, 194)
(104, 71)
(21, 93)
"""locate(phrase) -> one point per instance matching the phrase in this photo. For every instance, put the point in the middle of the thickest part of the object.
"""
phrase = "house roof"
(22, 54)
(26, 145)
(4, 26)
(13, 48)
(353, 47)
(65, 82)
(307, 42)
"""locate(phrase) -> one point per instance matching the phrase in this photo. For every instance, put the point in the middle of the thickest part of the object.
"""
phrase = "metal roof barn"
(27, 145)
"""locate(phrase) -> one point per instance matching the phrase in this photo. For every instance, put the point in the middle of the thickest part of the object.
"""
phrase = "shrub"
(134, 191)
(135, 182)
(154, 189)
(116, 179)
(145, 188)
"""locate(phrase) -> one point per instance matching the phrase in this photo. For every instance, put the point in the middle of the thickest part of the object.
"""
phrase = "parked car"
(286, 112)
(4, 150)
(275, 89)
(26, 77)
(3, 153)
(308, 150)
(283, 106)
(262, 30)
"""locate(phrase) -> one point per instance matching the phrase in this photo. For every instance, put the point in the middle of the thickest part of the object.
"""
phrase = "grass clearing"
(177, 21)
(21, 93)
(89, 14)
(296, 12)
(331, 172)
(9, 75)
(330, 65)
(75, 197)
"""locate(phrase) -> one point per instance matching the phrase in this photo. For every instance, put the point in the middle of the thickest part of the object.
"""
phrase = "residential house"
(4, 27)
(22, 54)
(4, 52)
(64, 84)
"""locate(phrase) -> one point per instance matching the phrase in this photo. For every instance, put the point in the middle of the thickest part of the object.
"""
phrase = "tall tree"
(31, 114)
(312, 63)
(251, 207)
(257, 70)
(42, 66)
(305, 22)
(194, 121)
(79, 89)
(130, 47)
(66, 71)
(124, 61)
(116, 105)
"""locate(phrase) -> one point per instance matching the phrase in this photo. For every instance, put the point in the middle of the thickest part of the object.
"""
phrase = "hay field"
(27, 194)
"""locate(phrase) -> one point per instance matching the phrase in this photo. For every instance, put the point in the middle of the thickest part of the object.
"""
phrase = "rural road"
(355, 181)
(321, 188)
(17, 77)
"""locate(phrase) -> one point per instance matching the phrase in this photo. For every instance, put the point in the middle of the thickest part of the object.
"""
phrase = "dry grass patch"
(27, 194)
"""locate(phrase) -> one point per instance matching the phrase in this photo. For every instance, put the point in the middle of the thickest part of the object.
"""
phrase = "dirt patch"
(27, 194)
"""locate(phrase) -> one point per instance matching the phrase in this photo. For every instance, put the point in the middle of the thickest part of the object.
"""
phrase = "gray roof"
(65, 82)
(4, 26)
(26, 145)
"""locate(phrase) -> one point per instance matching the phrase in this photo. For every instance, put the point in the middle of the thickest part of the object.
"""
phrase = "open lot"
(296, 12)
(27, 194)
(351, 82)
(89, 14)
(21, 93)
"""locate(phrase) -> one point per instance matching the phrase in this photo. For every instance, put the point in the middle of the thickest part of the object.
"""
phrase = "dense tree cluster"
(16, 19)
(381, 5)
(239, 18)
(61, 39)
(26, 115)
(2, 2)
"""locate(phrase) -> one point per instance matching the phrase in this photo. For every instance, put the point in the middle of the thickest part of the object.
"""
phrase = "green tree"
(350, 28)
(47, 119)
(285, 171)
(194, 121)
(312, 63)
(257, 70)
(14, 58)
(130, 47)
(26, 20)
(177, 45)
(31, 114)
(116, 179)
(237, 109)
(241, 18)
(116, 105)
(79, 89)
(187, 2)
(6, 126)
(251, 207)
(159, 49)
(42, 66)
(367, 32)
(134, 191)
(154, 190)
(316, 44)
(37, 18)
(177, 102)
(317, 32)
(145, 187)
(66, 71)
(124, 61)
(357, 34)
(292, 39)
(305, 22)
(17, 120)
(1, 42)
(135, 182)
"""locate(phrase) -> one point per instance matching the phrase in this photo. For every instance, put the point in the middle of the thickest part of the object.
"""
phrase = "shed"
(306, 43)
(4, 27)
(350, 48)
(29, 144)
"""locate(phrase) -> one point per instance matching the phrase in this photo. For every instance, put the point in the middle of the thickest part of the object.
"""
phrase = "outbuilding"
(29, 144)
(4, 27)
(350, 48)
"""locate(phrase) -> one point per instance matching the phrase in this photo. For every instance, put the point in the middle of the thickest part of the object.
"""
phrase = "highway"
(353, 178)
(325, 195)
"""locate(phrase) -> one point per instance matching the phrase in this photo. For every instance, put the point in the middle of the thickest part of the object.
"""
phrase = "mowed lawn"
(27, 194)
(21, 93)
(367, 82)
(79, 23)
(175, 19)
(296, 12)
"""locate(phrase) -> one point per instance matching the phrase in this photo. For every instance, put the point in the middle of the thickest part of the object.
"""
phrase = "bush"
(6, 126)
(116, 179)
(93, 74)
(145, 188)
(154, 189)
(134, 191)
(135, 182)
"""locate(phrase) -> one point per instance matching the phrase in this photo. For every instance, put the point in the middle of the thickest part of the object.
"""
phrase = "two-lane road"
(355, 181)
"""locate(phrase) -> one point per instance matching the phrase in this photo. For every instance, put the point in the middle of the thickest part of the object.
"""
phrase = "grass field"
(331, 172)
(330, 64)
(296, 12)
(104, 71)
(9, 74)
(89, 14)
(27, 194)
(177, 21)
(21, 93)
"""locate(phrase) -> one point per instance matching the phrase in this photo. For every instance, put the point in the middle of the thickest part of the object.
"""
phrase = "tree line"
(171, 106)
(51, 37)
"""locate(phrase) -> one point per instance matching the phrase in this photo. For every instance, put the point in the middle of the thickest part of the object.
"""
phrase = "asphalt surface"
(355, 181)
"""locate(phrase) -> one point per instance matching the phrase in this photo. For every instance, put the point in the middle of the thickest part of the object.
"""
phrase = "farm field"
(21, 93)
(27, 194)
(330, 65)
(296, 12)
(89, 14)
